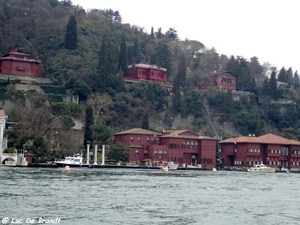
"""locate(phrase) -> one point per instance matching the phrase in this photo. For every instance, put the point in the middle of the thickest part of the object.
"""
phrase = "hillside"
(86, 54)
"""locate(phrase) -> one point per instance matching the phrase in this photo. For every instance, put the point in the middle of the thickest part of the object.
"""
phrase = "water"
(135, 196)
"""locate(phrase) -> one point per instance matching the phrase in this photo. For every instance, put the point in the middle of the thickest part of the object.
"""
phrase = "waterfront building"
(270, 149)
(181, 146)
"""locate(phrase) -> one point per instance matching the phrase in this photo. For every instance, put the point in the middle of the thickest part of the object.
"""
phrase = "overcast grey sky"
(267, 29)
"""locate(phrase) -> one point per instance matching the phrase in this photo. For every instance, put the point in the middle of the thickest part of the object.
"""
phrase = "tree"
(180, 79)
(152, 33)
(296, 80)
(89, 121)
(179, 82)
(137, 54)
(118, 152)
(107, 65)
(67, 122)
(36, 145)
(117, 17)
(172, 34)
(256, 71)
(100, 105)
(35, 116)
(71, 34)
(289, 74)
(123, 57)
(282, 76)
(159, 33)
(101, 133)
(81, 89)
(273, 84)
(163, 56)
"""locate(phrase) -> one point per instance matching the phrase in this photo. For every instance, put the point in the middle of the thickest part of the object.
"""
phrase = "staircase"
(209, 121)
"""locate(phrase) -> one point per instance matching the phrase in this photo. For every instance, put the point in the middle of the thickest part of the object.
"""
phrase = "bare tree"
(100, 104)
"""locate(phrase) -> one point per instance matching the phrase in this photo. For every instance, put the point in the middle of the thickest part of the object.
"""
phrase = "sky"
(267, 29)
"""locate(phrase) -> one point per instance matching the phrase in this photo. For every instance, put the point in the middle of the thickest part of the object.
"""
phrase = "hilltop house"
(270, 149)
(145, 72)
(223, 80)
(17, 63)
(182, 146)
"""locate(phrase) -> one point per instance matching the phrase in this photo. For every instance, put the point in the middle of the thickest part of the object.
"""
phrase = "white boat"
(72, 161)
(169, 166)
(261, 168)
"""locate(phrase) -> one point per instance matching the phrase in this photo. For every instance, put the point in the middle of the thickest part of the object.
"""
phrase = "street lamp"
(54, 145)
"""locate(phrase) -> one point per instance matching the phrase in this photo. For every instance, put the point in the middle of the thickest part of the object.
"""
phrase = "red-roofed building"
(142, 71)
(224, 80)
(270, 149)
(19, 64)
(182, 146)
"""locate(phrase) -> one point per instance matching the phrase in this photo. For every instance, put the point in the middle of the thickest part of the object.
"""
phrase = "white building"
(2, 128)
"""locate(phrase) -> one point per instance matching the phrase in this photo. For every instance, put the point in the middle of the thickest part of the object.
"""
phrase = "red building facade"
(270, 149)
(224, 80)
(142, 71)
(19, 64)
(182, 146)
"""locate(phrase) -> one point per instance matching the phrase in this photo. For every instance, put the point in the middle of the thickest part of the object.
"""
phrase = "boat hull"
(170, 166)
(265, 170)
(62, 165)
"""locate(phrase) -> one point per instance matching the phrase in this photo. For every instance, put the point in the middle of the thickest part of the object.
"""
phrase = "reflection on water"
(136, 196)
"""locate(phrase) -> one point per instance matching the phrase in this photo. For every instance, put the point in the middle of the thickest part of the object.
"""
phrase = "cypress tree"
(179, 82)
(273, 84)
(296, 80)
(89, 120)
(107, 65)
(163, 56)
(282, 76)
(71, 34)
(123, 57)
(137, 54)
(152, 33)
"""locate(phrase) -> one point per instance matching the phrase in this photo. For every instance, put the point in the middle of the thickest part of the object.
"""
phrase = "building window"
(165, 154)
(139, 139)
(131, 138)
(160, 154)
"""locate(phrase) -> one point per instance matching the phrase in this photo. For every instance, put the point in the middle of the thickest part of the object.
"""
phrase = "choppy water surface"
(135, 196)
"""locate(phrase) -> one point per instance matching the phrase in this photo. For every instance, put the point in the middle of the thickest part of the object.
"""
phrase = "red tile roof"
(264, 139)
(147, 66)
(137, 131)
(243, 139)
(180, 134)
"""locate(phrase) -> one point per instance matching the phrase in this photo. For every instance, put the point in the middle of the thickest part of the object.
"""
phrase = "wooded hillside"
(86, 53)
